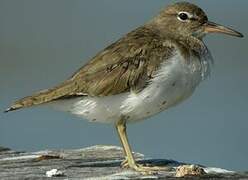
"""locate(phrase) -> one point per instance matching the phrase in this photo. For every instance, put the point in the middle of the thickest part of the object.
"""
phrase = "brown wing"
(125, 65)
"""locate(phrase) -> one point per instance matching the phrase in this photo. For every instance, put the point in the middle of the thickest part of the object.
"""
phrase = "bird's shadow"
(111, 163)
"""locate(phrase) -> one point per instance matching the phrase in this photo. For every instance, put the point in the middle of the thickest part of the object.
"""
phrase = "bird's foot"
(124, 164)
(146, 169)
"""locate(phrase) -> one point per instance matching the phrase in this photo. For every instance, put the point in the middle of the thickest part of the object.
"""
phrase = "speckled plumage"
(128, 68)
(174, 81)
(149, 70)
(126, 65)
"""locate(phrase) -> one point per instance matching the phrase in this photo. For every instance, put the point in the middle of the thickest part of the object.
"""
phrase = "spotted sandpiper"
(149, 70)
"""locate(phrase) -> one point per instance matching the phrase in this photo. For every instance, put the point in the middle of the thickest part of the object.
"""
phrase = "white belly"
(174, 82)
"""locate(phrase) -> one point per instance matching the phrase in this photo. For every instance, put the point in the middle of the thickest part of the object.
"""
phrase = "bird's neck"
(188, 44)
(193, 43)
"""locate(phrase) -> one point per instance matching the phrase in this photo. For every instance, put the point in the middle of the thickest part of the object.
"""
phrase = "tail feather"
(44, 96)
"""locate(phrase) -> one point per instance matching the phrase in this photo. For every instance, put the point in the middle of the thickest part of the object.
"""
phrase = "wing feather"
(126, 65)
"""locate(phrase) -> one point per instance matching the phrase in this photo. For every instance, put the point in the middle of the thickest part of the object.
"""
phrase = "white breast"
(174, 82)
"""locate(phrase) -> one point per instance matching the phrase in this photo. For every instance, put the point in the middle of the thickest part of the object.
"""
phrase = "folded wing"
(126, 65)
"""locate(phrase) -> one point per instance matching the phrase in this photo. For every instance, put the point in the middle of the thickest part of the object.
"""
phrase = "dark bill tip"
(211, 27)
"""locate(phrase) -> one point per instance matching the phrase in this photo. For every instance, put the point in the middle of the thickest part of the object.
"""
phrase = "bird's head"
(186, 19)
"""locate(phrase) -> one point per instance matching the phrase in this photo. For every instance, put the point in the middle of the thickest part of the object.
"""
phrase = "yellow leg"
(130, 162)
(124, 164)
(121, 129)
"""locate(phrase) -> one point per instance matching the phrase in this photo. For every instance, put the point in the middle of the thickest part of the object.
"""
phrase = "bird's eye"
(183, 16)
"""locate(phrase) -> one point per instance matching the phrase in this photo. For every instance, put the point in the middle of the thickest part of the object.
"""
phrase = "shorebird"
(149, 70)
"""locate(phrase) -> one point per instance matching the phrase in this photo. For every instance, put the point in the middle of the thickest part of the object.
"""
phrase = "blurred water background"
(44, 42)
